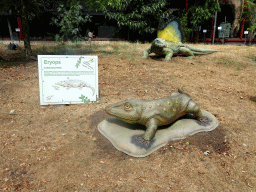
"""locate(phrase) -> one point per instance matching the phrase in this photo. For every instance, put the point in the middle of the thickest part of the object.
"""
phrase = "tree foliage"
(15, 7)
(140, 15)
(28, 10)
(102, 4)
(202, 11)
(143, 16)
(69, 21)
(185, 28)
(32, 8)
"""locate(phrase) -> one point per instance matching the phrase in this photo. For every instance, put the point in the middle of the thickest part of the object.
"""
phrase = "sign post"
(18, 30)
(219, 29)
(71, 79)
(246, 33)
(204, 31)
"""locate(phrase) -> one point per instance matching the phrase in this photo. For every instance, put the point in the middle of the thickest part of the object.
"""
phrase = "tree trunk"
(238, 11)
(25, 26)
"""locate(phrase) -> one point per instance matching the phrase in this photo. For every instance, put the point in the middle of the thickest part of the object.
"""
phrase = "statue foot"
(140, 142)
(203, 120)
(190, 57)
(143, 57)
(143, 141)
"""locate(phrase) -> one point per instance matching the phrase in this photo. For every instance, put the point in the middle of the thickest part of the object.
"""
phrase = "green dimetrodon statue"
(168, 48)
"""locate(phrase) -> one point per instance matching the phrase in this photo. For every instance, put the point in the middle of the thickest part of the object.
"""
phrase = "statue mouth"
(124, 117)
(108, 109)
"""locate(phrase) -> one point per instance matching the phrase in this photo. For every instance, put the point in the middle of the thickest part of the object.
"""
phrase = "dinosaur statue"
(156, 112)
(162, 47)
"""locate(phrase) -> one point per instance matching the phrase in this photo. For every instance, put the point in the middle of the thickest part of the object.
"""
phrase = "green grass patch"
(230, 62)
(130, 52)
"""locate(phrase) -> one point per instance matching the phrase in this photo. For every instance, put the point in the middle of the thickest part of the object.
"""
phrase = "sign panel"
(225, 30)
(68, 79)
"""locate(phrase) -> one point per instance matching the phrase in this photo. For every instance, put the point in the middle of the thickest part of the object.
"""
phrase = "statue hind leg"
(192, 108)
(187, 52)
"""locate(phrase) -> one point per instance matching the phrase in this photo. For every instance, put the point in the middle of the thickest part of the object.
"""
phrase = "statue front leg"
(146, 53)
(168, 54)
(150, 132)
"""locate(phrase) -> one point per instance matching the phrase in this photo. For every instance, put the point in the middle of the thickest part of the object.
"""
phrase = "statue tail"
(182, 92)
(200, 51)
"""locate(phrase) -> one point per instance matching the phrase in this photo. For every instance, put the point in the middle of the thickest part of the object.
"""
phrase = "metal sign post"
(245, 33)
(18, 30)
(219, 29)
(10, 30)
(214, 26)
(204, 31)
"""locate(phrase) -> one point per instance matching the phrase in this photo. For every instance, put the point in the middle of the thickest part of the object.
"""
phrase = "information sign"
(68, 79)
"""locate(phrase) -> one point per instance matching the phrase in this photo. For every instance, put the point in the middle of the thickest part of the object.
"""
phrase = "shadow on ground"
(104, 146)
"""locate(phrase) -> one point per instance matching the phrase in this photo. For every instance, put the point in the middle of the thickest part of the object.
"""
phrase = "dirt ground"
(58, 147)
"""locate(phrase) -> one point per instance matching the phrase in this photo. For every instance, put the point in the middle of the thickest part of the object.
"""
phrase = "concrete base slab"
(124, 136)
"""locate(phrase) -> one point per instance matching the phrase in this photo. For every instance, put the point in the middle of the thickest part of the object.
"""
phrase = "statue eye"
(127, 106)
